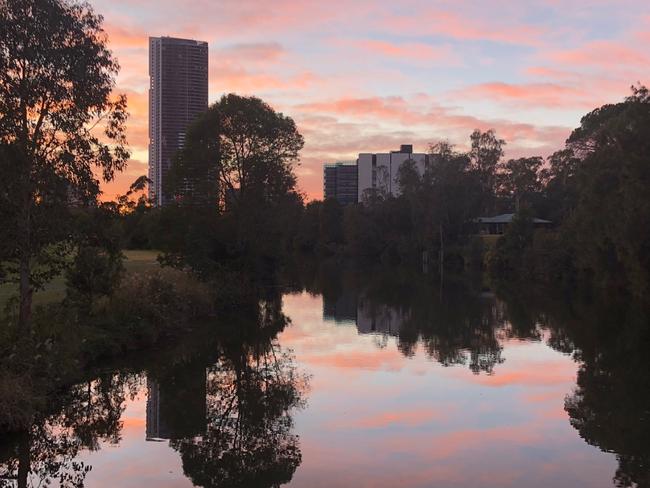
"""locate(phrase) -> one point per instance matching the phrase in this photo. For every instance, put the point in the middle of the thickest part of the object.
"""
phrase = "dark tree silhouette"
(58, 122)
(248, 441)
(47, 450)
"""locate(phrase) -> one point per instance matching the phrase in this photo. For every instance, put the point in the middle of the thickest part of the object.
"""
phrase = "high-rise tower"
(178, 93)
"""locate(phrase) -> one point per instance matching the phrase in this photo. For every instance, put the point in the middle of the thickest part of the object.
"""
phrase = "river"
(376, 379)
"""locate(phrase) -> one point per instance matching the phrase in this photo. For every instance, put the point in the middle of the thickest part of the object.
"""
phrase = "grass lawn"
(134, 262)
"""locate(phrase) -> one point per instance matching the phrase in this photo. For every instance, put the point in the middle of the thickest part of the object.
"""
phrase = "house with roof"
(498, 224)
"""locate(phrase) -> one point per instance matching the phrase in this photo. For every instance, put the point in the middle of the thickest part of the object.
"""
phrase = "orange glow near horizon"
(368, 76)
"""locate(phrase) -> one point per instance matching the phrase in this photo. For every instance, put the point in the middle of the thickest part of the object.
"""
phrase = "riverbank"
(135, 261)
(151, 305)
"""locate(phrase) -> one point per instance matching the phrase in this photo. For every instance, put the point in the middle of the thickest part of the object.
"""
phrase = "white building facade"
(379, 172)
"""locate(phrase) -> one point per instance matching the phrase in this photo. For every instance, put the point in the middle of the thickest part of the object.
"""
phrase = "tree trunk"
(442, 257)
(24, 460)
(25, 271)
(26, 293)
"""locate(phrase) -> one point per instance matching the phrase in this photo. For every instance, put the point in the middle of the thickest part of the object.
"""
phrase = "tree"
(235, 186)
(330, 225)
(452, 192)
(560, 192)
(56, 81)
(408, 179)
(508, 256)
(485, 155)
(244, 149)
(521, 180)
(383, 182)
(96, 268)
(610, 222)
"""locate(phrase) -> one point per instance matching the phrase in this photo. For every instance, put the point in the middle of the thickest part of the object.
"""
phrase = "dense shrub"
(162, 297)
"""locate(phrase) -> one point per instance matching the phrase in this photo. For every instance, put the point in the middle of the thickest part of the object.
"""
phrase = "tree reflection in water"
(610, 406)
(457, 327)
(225, 400)
(229, 417)
(249, 439)
(608, 336)
(78, 420)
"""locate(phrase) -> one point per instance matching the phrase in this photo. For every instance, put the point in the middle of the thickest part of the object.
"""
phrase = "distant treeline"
(246, 208)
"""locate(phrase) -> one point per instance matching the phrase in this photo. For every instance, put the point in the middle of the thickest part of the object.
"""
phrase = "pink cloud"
(552, 374)
(121, 36)
(547, 95)
(390, 360)
(339, 92)
(600, 54)
(255, 52)
(448, 23)
(414, 51)
(410, 418)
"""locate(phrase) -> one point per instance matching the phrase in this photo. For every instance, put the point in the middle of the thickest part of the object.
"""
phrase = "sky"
(367, 76)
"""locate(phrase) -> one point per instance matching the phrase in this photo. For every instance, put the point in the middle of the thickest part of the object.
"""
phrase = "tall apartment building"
(178, 93)
(340, 182)
(380, 171)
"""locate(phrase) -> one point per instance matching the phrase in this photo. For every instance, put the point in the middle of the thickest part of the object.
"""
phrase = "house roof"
(506, 219)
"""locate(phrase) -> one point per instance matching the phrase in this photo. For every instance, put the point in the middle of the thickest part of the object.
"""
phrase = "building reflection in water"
(342, 309)
(369, 317)
(459, 326)
(176, 403)
(156, 428)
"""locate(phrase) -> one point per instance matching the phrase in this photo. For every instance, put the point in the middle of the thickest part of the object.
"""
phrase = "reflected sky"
(377, 417)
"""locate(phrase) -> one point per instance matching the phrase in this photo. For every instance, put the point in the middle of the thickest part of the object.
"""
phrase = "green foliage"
(485, 158)
(330, 229)
(508, 256)
(237, 205)
(560, 192)
(430, 214)
(240, 153)
(50, 140)
(596, 192)
(610, 223)
(521, 180)
(94, 272)
(97, 264)
(158, 300)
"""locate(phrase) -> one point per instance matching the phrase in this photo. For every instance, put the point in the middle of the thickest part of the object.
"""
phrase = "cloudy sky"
(360, 75)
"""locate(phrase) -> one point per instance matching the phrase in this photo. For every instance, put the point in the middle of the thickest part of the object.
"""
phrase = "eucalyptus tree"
(611, 218)
(485, 159)
(235, 185)
(61, 130)
(521, 180)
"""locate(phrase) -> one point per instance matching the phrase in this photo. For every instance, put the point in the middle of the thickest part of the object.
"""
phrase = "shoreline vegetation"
(460, 324)
(238, 219)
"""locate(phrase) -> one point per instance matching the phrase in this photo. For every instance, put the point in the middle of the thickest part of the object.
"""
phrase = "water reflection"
(77, 420)
(462, 325)
(249, 439)
(223, 399)
(456, 327)
(225, 404)
(610, 406)
(176, 402)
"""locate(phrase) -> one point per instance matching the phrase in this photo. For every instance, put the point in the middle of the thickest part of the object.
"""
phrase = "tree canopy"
(59, 124)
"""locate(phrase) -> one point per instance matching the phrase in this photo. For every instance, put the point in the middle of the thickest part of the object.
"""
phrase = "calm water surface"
(376, 381)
